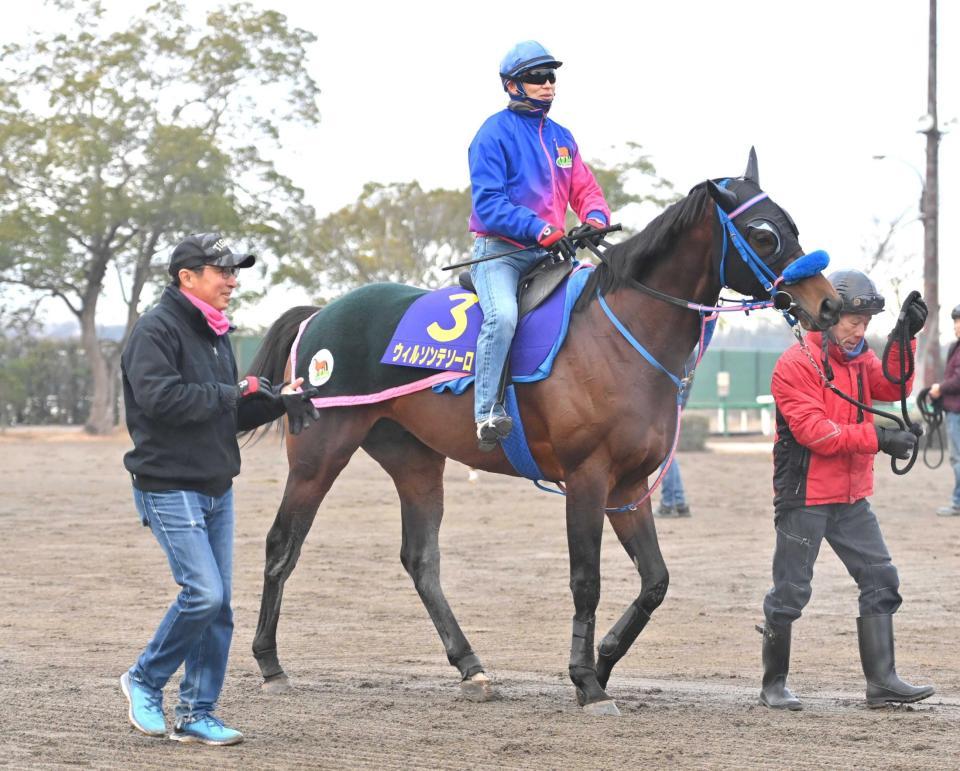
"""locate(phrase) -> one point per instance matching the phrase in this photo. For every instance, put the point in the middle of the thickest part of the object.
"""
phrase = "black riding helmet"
(955, 313)
(858, 293)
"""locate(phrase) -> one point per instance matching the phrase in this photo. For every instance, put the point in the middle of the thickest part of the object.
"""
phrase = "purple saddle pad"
(439, 332)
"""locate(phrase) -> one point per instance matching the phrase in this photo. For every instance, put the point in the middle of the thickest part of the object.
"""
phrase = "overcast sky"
(818, 87)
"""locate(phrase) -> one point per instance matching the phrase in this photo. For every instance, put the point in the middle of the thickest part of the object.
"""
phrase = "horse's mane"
(625, 263)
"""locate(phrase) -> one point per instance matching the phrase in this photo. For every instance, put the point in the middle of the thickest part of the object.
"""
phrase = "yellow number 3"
(459, 313)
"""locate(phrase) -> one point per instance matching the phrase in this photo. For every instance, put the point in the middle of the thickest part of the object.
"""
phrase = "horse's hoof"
(605, 707)
(276, 685)
(479, 687)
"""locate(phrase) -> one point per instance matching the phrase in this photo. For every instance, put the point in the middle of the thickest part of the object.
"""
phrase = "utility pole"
(930, 353)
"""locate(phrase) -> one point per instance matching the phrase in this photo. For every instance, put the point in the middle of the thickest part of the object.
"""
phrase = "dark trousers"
(854, 534)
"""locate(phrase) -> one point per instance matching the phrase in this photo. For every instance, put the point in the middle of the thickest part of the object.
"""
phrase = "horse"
(602, 422)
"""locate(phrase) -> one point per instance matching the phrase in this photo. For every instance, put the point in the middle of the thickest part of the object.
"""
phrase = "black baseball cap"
(199, 249)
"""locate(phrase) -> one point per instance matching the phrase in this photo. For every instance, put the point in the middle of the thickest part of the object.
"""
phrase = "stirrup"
(492, 430)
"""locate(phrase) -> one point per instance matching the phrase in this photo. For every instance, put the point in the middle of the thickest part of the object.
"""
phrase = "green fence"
(749, 377)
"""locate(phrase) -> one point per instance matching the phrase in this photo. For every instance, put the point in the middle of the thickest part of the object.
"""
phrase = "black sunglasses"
(539, 77)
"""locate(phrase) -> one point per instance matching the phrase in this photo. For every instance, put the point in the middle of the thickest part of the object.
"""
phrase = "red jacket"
(825, 446)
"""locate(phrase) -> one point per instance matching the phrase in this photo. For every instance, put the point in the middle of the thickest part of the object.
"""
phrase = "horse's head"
(761, 255)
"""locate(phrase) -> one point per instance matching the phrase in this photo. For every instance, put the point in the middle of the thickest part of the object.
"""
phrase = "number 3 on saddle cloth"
(386, 340)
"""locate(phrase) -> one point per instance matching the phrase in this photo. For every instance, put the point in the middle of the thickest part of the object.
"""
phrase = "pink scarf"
(219, 323)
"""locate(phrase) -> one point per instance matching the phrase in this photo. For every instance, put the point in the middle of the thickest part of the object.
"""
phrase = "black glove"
(256, 386)
(300, 410)
(895, 442)
(587, 232)
(913, 315)
(916, 310)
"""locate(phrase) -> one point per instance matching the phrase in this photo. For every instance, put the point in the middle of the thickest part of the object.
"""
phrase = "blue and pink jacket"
(525, 170)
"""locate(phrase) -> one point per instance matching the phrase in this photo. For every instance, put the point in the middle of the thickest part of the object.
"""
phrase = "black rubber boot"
(879, 667)
(776, 664)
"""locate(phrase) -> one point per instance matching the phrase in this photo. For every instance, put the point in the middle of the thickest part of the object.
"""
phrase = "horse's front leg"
(637, 533)
(586, 495)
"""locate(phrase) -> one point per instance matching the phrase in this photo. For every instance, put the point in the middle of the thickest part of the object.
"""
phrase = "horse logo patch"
(564, 159)
(321, 367)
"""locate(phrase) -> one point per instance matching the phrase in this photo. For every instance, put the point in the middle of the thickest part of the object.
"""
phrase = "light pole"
(930, 356)
(929, 363)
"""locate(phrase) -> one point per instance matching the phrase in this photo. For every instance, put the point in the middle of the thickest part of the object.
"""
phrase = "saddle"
(536, 285)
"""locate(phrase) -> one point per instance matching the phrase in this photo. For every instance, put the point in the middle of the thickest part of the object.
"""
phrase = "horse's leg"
(586, 495)
(417, 471)
(315, 457)
(637, 533)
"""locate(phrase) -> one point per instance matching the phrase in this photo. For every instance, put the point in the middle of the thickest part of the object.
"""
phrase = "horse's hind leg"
(316, 457)
(417, 472)
(637, 533)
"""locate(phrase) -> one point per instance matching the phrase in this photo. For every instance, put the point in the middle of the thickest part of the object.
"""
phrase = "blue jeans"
(671, 486)
(854, 534)
(952, 422)
(196, 533)
(496, 284)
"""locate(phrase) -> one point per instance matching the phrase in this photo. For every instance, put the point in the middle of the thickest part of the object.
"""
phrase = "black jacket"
(180, 394)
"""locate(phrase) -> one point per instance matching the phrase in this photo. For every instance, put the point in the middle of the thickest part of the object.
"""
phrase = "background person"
(525, 170)
(823, 473)
(673, 499)
(183, 410)
(948, 390)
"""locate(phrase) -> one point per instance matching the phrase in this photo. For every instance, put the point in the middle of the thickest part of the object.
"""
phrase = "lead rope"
(904, 425)
(931, 412)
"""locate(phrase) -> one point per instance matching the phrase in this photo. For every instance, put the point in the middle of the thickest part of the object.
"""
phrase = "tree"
(396, 232)
(885, 263)
(400, 232)
(634, 173)
(146, 134)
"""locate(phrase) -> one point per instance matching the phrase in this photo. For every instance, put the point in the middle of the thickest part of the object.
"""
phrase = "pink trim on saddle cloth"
(390, 393)
(380, 396)
(296, 344)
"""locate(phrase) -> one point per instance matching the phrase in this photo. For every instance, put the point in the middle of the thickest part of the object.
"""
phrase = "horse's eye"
(763, 237)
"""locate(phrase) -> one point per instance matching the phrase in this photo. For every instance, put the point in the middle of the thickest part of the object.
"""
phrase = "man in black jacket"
(184, 408)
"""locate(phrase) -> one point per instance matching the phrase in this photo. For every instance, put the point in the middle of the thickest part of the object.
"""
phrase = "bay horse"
(602, 422)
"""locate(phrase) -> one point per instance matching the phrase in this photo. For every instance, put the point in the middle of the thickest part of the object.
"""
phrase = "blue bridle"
(804, 267)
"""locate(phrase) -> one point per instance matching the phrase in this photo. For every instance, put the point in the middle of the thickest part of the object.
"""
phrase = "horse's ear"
(726, 199)
(752, 173)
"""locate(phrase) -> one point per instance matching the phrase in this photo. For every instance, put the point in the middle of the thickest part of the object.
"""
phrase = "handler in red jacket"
(948, 390)
(823, 473)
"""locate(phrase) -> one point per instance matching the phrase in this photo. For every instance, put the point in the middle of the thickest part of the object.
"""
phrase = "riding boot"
(776, 664)
(875, 634)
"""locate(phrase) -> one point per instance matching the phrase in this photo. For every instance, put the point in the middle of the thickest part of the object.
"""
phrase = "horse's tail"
(271, 358)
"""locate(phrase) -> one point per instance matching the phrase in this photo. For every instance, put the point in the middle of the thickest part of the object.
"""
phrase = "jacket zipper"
(553, 179)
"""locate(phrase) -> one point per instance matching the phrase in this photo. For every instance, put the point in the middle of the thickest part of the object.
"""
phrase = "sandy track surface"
(83, 586)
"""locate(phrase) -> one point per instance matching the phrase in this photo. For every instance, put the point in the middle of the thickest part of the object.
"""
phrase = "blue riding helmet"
(526, 55)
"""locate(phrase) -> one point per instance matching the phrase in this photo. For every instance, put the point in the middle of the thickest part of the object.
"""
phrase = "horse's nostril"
(830, 309)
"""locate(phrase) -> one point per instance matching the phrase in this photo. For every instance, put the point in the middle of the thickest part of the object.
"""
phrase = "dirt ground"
(83, 585)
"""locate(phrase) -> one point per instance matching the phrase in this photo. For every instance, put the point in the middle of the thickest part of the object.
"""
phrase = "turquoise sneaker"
(206, 729)
(146, 708)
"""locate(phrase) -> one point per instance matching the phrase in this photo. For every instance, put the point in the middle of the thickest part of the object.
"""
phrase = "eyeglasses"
(539, 77)
(224, 272)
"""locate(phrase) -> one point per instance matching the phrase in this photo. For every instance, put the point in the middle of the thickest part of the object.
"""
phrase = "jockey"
(525, 170)
(822, 474)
